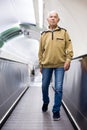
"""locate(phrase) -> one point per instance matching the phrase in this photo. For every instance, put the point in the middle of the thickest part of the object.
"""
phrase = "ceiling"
(73, 17)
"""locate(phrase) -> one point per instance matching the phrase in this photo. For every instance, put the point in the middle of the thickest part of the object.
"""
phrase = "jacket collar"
(56, 29)
(49, 30)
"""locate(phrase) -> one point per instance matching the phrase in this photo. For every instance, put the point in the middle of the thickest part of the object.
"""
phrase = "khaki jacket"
(55, 48)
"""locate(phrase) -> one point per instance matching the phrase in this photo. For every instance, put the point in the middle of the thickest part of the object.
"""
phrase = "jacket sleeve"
(40, 53)
(68, 47)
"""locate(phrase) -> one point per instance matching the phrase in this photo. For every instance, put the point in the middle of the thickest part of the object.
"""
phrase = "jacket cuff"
(69, 60)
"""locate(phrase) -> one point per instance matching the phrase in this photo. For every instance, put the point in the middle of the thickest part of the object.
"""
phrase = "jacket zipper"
(52, 34)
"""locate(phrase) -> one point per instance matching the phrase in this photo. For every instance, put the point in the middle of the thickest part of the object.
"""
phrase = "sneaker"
(56, 116)
(45, 107)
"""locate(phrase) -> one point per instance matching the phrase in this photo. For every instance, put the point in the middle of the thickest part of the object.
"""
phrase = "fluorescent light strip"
(40, 2)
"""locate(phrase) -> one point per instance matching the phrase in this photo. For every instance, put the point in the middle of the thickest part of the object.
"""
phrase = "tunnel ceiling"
(73, 17)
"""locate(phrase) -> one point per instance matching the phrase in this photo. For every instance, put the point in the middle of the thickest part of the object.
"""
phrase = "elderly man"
(55, 54)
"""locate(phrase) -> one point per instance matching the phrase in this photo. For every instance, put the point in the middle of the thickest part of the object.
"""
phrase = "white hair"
(53, 11)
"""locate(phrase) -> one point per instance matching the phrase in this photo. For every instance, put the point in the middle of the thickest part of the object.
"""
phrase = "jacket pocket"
(60, 42)
(59, 38)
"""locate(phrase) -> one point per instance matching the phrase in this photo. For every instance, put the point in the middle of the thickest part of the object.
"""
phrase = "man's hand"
(66, 65)
(41, 69)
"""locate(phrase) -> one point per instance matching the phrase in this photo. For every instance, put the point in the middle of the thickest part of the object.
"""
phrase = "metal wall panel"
(13, 80)
(75, 91)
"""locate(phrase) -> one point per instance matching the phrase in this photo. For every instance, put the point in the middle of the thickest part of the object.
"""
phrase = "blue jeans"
(46, 78)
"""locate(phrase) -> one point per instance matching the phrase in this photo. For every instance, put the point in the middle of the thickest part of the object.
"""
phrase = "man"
(55, 54)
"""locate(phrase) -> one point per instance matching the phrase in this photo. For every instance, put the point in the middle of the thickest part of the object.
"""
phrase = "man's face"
(53, 19)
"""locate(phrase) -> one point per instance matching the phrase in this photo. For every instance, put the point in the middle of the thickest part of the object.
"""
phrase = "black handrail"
(81, 56)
